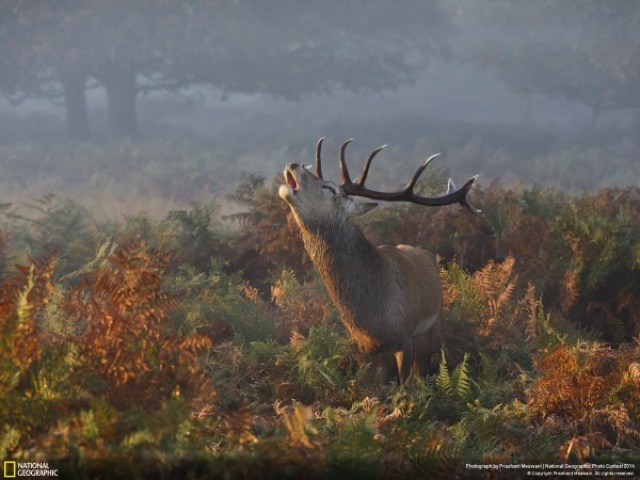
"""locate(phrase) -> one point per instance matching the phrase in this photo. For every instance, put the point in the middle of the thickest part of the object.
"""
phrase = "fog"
(525, 93)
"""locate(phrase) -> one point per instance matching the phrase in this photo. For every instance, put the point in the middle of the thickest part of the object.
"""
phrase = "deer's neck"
(350, 266)
(339, 248)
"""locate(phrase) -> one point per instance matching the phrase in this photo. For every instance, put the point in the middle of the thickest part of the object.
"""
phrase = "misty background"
(151, 104)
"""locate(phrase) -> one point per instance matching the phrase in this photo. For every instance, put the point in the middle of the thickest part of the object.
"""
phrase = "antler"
(406, 194)
(318, 161)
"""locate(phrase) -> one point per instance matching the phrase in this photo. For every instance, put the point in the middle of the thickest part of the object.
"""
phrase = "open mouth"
(291, 180)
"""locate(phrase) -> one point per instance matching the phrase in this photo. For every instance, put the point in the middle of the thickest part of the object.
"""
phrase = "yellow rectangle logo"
(9, 469)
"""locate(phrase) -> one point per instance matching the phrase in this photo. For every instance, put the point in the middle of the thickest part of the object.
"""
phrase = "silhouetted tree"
(281, 47)
(52, 49)
(33, 66)
(583, 50)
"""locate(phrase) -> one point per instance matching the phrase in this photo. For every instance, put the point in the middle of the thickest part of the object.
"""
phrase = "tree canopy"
(55, 49)
(583, 50)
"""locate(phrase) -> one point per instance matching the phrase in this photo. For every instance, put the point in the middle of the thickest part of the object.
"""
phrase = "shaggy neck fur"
(347, 261)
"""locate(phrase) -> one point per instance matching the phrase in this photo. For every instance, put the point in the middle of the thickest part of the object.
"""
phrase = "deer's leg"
(385, 363)
(405, 359)
(399, 357)
(426, 346)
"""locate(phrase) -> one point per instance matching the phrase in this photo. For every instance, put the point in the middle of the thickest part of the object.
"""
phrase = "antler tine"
(346, 179)
(464, 202)
(421, 168)
(318, 161)
(365, 171)
(452, 196)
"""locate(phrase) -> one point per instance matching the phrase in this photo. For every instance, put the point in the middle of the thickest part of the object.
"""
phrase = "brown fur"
(389, 298)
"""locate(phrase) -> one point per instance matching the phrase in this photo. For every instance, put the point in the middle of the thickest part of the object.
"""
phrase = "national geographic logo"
(9, 469)
(13, 469)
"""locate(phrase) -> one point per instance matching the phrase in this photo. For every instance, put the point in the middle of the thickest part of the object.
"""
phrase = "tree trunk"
(75, 102)
(122, 91)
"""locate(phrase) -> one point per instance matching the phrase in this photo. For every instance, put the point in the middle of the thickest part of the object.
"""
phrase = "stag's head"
(312, 198)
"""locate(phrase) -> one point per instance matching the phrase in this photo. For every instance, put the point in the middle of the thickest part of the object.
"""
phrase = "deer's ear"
(359, 208)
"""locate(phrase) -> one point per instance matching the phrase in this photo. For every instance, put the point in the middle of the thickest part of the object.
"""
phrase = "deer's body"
(389, 298)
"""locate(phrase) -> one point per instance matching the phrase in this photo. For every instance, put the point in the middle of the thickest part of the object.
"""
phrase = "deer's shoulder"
(407, 252)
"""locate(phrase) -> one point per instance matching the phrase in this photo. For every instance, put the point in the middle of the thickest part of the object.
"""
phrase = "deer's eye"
(330, 188)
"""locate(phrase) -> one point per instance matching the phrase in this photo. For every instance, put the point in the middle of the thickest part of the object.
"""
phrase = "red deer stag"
(389, 298)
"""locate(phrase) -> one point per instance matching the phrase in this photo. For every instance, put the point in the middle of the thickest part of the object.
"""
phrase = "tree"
(583, 50)
(51, 49)
(23, 71)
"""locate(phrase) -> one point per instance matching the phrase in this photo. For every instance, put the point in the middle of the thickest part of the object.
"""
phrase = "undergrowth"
(185, 348)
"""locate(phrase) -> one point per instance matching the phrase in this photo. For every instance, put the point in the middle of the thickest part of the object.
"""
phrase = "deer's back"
(416, 289)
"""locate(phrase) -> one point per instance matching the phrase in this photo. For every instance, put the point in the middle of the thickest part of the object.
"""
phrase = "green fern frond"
(436, 461)
(23, 306)
(456, 384)
(460, 381)
(489, 370)
(443, 380)
(104, 247)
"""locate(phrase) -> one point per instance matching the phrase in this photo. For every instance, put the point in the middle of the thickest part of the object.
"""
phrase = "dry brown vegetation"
(179, 346)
